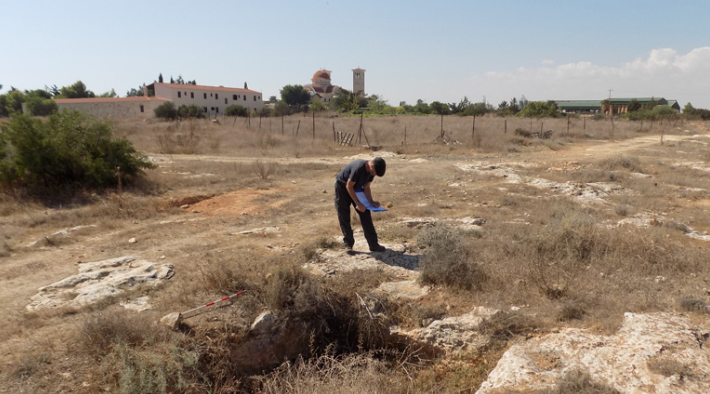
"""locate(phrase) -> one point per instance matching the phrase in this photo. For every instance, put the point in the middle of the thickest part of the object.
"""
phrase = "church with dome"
(322, 89)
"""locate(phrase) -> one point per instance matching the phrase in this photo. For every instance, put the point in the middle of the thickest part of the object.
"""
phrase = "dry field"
(597, 220)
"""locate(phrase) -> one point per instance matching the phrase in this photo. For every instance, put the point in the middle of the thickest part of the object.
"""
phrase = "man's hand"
(360, 207)
(376, 204)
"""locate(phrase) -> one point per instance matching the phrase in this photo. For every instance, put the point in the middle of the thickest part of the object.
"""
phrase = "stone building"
(213, 99)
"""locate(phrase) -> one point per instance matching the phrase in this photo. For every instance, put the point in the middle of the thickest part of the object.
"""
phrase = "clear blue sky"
(430, 50)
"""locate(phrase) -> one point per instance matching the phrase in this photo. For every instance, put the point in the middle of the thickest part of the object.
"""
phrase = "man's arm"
(368, 194)
(350, 186)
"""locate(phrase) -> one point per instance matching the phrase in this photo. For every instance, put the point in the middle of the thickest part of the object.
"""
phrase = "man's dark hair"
(380, 166)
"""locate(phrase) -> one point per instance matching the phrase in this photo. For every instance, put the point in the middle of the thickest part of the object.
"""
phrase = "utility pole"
(610, 90)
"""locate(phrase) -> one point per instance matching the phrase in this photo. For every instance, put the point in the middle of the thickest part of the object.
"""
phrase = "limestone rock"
(99, 280)
(449, 335)
(172, 320)
(631, 361)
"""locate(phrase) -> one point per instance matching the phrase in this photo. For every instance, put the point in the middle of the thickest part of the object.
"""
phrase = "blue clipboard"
(364, 201)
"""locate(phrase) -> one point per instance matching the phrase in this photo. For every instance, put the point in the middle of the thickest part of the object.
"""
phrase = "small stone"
(132, 241)
(324, 191)
(171, 320)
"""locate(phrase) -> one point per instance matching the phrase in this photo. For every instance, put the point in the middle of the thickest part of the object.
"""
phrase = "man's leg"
(369, 229)
(342, 206)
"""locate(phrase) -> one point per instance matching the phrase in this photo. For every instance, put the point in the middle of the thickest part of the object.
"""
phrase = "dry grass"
(559, 258)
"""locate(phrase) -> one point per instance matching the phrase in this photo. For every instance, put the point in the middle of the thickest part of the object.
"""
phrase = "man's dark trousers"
(342, 205)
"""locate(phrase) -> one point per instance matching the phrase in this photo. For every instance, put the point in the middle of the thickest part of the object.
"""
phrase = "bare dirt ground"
(215, 209)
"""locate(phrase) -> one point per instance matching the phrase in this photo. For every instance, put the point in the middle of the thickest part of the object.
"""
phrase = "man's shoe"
(378, 248)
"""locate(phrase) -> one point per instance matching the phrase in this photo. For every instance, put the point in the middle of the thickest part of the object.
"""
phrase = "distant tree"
(272, 99)
(77, 90)
(236, 110)
(649, 105)
(633, 106)
(245, 85)
(422, 107)
(295, 96)
(344, 101)
(160, 78)
(54, 90)
(265, 112)
(171, 79)
(135, 92)
(376, 103)
(477, 109)
(191, 111)
(3, 106)
(38, 106)
(111, 94)
(14, 100)
(166, 110)
(503, 106)
(439, 108)
(691, 112)
(317, 106)
(281, 108)
(455, 108)
(179, 80)
(540, 109)
(69, 150)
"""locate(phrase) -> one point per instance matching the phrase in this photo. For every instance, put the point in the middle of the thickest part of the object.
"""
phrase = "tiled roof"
(180, 86)
(108, 100)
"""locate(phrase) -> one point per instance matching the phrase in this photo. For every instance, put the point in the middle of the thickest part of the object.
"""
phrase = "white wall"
(215, 99)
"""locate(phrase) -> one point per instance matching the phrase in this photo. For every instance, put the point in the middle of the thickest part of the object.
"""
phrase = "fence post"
(505, 127)
(567, 124)
(298, 127)
(473, 128)
(314, 126)
(334, 132)
(405, 136)
(282, 125)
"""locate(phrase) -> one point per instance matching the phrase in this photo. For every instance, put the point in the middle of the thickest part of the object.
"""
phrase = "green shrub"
(190, 111)
(235, 110)
(166, 111)
(68, 150)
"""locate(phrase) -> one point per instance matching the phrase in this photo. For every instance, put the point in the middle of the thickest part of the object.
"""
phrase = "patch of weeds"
(577, 381)
(666, 366)
(448, 259)
(29, 365)
(622, 162)
(263, 170)
(99, 333)
(309, 250)
(506, 325)
(693, 304)
(571, 310)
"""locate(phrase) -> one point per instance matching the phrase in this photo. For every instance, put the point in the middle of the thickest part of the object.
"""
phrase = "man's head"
(379, 165)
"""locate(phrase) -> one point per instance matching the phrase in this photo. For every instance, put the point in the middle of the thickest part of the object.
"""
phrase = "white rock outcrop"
(651, 353)
(99, 280)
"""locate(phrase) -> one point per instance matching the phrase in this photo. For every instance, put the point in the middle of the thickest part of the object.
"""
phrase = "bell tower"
(359, 81)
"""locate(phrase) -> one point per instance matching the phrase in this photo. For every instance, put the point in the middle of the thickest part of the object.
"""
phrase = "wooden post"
(641, 125)
(584, 127)
(405, 136)
(505, 127)
(298, 127)
(541, 123)
(567, 124)
(441, 131)
(314, 126)
(259, 122)
(359, 133)
(473, 128)
(282, 125)
(249, 119)
(334, 132)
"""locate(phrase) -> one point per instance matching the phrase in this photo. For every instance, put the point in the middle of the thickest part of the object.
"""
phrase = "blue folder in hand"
(363, 199)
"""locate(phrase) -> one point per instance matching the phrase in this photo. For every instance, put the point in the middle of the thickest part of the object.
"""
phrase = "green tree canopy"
(295, 96)
(77, 90)
(69, 150)
(540, 109)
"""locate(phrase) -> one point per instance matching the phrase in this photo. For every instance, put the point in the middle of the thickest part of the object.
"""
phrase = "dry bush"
(100, 332)
(505, 325)
(629, 163)
(667, 366)
(264, 169)
(448, 259)
(180, 137)
(576, 381)
(310, 249)
(352, 374)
